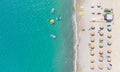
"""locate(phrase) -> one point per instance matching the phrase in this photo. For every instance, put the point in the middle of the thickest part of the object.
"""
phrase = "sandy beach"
(83, 18)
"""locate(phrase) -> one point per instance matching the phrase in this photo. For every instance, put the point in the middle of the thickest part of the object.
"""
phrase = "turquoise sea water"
(25, 42)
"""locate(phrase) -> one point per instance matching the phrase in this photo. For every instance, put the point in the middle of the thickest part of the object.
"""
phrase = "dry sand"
(83, 56)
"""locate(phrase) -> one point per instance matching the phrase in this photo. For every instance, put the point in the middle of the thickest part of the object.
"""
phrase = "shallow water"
(25, 42)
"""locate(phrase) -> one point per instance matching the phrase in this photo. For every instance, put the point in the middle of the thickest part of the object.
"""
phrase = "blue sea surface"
(25, 42)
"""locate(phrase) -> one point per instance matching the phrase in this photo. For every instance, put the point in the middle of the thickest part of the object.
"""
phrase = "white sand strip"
(83, 64)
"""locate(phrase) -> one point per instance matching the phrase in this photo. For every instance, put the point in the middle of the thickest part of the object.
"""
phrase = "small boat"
(53, 10)
(52, 21)
(53, 36)
(58, 18)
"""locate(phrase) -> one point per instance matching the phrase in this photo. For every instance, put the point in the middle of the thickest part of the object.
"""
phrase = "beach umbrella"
(110, 64)
(100, 59)
(109, 29)
(109, 35)
(109, 50)
(52, 10)
(93, 13)
(92, 60)
(99, 13)
(101, 33)
(92, 46)
(92, 33)
(101, 45)
(92, 40)
(52, 21)
(109, 42)
(109, 67)
(93, 19)
(101, 51)
(109, 25)
(92, 53)
(100, 67)
(98, 5)
(101, 38)
(109, 59)
(92, 67)
(92, 5)
(92, 27)
(101, 27)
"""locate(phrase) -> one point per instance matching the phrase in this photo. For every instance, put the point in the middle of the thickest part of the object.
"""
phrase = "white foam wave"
(75, 36)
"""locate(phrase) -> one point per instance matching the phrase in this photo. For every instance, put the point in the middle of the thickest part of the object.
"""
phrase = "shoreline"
(77, 28)
(75, 36)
